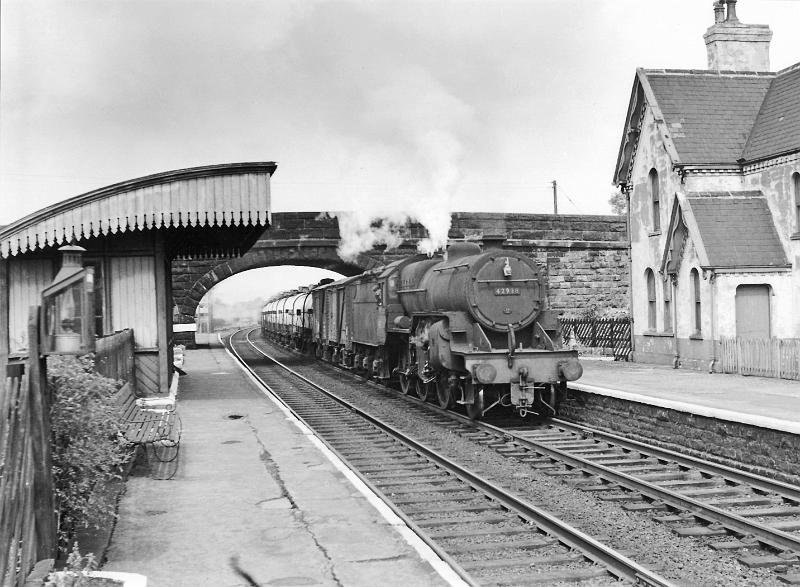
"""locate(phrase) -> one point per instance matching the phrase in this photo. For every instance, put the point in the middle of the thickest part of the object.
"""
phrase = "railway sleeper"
(610, 451)
(773, 511)
(499, 563)
(660, 477)
(654, 468)
(628, 496)
(644, 506)
(613, 461)
(505, 544)
(476, 507)
(743, 501)
(786, 526)
(400, 471)
(696, 531)
(755, 561)
(386, 459)
(679, 483)
(600, 487)
(440, 522)
(413, 480)
(550, 578)
(457, 496)
(435, 489)
(467, 533)
(713, 492)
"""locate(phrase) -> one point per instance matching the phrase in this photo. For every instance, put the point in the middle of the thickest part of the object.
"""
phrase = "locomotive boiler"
(469, 328)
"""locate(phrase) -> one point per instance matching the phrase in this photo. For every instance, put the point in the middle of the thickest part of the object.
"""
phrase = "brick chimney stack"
(732, 45)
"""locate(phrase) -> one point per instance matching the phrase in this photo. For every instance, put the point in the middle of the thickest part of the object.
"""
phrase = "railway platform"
(254, 490)
(757, 401)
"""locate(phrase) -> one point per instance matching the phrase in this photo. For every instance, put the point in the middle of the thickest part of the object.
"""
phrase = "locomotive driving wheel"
(475, 409)
(424, 390)
(444, 392)
(406, 381)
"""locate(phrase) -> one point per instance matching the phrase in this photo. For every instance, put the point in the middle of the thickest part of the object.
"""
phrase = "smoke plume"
(428, 128)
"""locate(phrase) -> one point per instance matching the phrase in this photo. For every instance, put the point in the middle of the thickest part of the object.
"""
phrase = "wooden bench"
(153, 424)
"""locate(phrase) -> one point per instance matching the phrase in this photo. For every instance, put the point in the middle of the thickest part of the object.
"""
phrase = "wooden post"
(43, 494)
(163, 313)
(4, 287)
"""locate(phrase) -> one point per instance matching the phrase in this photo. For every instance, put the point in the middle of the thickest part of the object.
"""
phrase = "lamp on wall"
(67, 320)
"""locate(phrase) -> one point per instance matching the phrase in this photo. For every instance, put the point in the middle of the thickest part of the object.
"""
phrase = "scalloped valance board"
(229, 195)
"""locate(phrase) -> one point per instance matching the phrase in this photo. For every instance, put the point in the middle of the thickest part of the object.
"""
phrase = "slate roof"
(737, 231)
(709, 114)
(777, 128)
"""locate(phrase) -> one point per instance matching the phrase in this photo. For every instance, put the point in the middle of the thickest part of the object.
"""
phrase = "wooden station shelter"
(131, 232)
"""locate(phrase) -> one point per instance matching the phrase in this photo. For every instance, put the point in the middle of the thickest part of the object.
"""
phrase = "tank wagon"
(287, 318)
(470, 327)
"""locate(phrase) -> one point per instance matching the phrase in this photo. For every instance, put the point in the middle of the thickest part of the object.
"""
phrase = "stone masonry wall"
(586, 257)
(769, 453)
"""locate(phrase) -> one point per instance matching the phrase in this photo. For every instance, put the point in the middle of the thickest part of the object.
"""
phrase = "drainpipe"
(673, 284)
(712, 281)
(626, 189)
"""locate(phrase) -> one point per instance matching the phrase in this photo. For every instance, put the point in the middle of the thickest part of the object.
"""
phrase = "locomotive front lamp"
(67, 322)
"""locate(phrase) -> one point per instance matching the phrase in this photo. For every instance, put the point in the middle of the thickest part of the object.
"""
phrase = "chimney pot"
(731, 12)
(719, 11)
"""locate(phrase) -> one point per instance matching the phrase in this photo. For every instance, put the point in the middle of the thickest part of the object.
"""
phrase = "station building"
(132, 232)
(710, 161)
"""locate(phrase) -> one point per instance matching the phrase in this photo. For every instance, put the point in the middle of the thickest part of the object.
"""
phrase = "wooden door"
(752, 311)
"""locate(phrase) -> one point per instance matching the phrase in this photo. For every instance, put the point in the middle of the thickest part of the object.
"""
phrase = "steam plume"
(428, 127)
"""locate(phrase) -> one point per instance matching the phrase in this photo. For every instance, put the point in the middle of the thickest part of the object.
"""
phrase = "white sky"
(382, 106)
(420, 105)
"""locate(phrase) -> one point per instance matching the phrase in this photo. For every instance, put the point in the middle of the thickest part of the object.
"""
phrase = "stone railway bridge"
(586, 257)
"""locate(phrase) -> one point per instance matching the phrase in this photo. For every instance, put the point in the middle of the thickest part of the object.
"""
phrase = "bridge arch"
(324, 257)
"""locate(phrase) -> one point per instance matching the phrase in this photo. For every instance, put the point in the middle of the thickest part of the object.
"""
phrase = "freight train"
(467, 328)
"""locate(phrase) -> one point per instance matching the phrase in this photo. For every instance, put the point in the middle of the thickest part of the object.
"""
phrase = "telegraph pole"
(555, 197)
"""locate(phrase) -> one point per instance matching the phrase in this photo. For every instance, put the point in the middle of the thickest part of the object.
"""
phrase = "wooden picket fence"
(612, 334)
(27, 507)
(765, 357)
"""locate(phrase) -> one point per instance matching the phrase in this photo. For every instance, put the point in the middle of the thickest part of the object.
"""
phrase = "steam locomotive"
(470, 327)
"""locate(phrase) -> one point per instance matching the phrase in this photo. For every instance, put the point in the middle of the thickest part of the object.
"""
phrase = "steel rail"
(617, 564)
(775, 538)
(442, 554)
(758, 482)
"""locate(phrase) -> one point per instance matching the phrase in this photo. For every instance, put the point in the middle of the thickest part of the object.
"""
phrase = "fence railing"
(27, 508)
(113, 356)
(613, 334)
(765, 357)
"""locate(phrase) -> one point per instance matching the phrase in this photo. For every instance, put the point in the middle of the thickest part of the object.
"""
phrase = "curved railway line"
(755, 518)
(487, 535)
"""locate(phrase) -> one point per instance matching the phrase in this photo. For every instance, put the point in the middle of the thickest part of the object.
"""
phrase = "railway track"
(755, 518)
(488, 535)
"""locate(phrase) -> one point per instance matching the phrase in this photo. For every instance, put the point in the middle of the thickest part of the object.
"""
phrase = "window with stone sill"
(650, 278)
(655, 200)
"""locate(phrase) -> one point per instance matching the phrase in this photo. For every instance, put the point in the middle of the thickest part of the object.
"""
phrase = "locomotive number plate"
(506, 291)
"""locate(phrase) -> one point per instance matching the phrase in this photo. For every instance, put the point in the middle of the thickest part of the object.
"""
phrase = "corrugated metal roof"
(235, 194)
(709, 114)
(777, 128)
(737, 231)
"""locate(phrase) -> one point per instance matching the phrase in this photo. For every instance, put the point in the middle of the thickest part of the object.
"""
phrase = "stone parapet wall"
(585, 257)
(761, 451)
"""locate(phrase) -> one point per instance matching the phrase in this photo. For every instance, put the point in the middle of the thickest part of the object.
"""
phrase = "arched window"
(651, 299)
(668, 305)
(695, 278)
(796, 194)
(655, 199)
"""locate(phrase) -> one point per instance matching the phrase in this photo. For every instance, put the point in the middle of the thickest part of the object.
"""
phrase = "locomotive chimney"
(493, 241)
(733, 45)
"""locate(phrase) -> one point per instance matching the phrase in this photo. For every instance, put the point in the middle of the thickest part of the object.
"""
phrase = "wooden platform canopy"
(131, 232)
